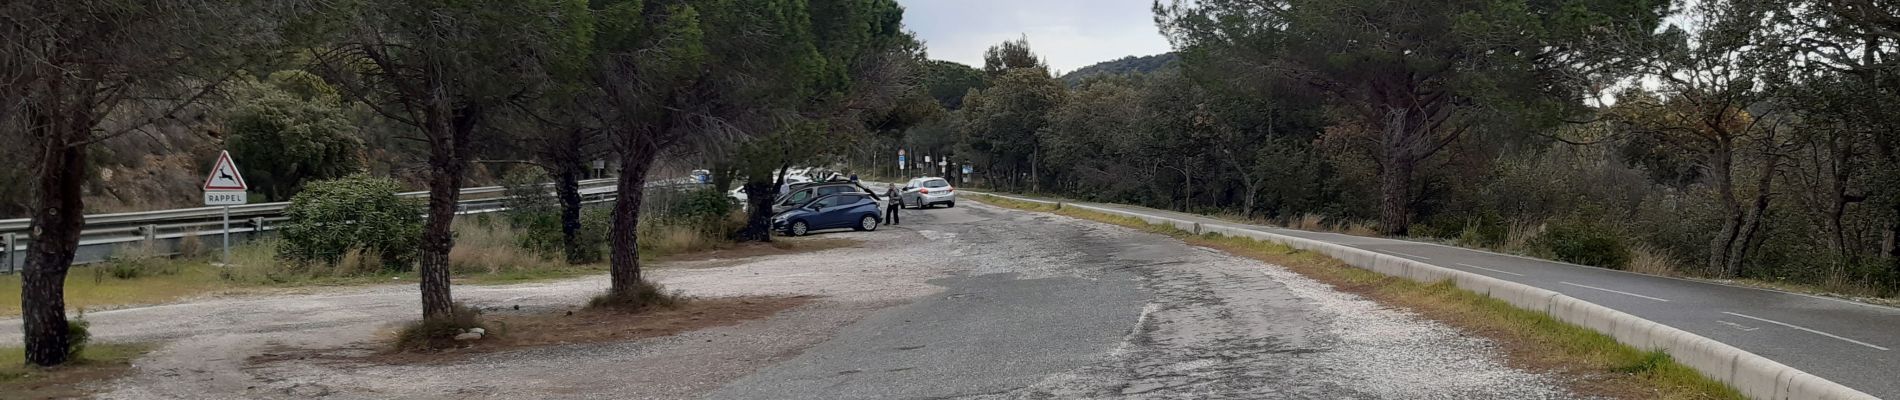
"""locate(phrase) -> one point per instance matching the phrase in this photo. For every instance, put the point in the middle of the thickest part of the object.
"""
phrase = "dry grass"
(645, 294)
(1310, 222)
(190, 245)
(494, 248)
(99, 362)
(1358, 228)
(1518, 236)
(1594, 363)
(1645, 259)
(91, 287)
(484, 254)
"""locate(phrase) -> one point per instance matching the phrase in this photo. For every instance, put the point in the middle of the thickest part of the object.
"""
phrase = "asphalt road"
(1847, 342)
(1044, 306)
(972, 302)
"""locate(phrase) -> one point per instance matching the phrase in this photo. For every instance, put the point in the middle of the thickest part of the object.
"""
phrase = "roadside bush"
(535, 211)
(135, 261)
(1584, 243)
(705, 206)
(331, 218)
(78, 334)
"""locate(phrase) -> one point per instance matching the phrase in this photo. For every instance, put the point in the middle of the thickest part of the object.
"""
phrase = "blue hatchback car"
(857, 211)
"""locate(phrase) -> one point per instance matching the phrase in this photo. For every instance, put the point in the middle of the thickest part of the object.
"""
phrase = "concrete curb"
(1755, 376)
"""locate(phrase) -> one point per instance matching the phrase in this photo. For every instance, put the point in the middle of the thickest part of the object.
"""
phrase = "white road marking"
(1492, 270)
(1405, 255)
(1739, 327)
(1616, 291)
(1808, 330)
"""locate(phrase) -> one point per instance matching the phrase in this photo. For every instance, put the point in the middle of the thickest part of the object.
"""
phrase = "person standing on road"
(896, 202)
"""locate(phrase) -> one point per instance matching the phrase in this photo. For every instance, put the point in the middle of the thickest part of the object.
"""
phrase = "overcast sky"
(1069, 34)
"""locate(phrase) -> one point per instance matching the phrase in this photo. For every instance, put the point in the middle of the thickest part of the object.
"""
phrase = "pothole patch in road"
(937, 235)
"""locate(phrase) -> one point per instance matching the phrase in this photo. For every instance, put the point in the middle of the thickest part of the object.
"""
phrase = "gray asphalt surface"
(972, 302)
(1847, 342)
(1051, 307)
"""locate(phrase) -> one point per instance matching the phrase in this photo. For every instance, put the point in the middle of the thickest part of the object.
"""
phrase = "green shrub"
(536, 212)
(78, 333)
(706, 206)
(1584, 243)
(331, 218)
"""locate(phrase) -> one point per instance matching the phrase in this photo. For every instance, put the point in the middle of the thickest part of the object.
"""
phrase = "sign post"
(225, 187)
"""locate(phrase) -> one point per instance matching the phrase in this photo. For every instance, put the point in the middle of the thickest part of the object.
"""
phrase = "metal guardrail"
(104, 234)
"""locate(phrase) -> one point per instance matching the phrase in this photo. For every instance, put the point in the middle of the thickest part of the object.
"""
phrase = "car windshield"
(799, 197)
(936, 183)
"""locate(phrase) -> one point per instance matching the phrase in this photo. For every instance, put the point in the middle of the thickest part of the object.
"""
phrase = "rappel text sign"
(225, 186)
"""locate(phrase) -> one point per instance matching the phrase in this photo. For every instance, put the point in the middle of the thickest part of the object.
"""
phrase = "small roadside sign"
(225, 186)
(224, 175)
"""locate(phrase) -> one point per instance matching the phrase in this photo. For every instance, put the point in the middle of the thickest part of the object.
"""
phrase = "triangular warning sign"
(224, 176)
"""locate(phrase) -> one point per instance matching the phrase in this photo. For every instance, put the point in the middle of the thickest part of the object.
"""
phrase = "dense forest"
(1730, 139)
(1123, 66)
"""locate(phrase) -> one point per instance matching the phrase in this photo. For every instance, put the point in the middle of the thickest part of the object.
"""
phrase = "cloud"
(1069, 34)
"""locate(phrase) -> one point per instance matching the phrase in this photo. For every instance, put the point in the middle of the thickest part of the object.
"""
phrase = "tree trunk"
(1398, 160)
(758, 225)
(58, 217)
(447, 167)
(722, 175)
(567, 187)
(1721, 169)
(635, 161)
(1751, 223)
(1035, 169)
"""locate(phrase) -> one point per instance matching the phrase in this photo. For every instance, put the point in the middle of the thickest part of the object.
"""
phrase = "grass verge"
(99, 362)
(1595, 364)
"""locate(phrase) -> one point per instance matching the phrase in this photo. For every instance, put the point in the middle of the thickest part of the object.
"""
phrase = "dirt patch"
(739, 253)
(579, 326)
(102, 363)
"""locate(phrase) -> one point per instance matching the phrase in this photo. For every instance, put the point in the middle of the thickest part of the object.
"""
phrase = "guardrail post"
(257, 227)
(7, 242)
(150, 232)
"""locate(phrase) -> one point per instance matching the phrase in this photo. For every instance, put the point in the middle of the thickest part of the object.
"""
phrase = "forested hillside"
(1753, 141)
(1124, 65)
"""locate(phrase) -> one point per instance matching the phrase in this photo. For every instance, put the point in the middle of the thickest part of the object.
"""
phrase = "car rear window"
(936, 183)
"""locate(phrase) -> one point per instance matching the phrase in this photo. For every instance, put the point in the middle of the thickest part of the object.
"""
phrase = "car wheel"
(952, 205)
(799, 229)
(868, 223)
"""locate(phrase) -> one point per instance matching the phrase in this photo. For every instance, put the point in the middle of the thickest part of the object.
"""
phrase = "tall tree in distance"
(680, 74)
(1421, 73)
(73, 74)
(443, 68)
(1006, 120)
(1011, 55)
